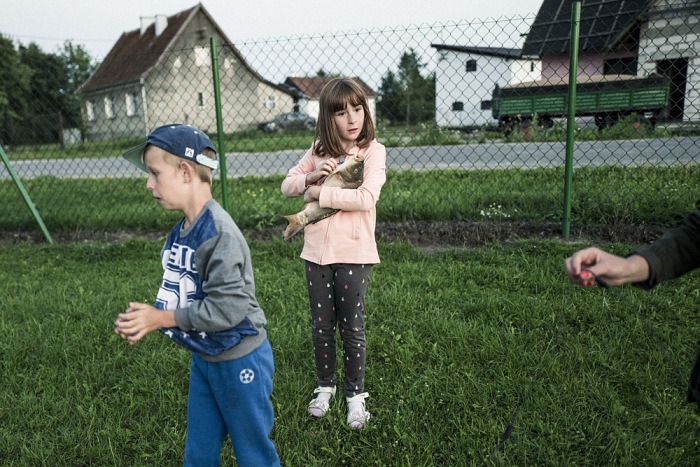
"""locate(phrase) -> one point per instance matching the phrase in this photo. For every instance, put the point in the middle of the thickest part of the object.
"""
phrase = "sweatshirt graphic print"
(182, 285)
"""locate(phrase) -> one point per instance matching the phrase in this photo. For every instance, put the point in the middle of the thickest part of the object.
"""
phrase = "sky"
(97, 24)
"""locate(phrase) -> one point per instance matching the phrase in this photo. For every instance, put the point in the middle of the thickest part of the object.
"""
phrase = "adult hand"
(584, 266)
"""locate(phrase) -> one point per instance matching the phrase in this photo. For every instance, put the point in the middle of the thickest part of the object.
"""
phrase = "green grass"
(601, 196)
(460, 342)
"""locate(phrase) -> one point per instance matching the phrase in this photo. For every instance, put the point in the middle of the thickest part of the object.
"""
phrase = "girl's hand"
(324, 170)
(312, 193)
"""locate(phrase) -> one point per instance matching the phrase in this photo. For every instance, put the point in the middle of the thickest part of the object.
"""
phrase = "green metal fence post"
(25, 195)
(571, 113)
(219, 124)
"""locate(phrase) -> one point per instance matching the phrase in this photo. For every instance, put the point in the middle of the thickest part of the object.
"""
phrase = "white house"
(465, 78)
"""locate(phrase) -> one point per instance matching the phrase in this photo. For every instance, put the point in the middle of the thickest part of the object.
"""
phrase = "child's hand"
(312, 193)
(324, 170)
(137, 321)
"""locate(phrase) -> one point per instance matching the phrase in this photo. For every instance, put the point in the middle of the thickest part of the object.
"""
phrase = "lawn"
(476, 356)
(607, 195)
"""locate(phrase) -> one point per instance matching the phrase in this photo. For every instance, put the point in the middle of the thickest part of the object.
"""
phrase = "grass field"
(461, 343)
(607, 195)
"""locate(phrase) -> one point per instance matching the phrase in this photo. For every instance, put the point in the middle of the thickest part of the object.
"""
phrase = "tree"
(79, 66)
(46, 100)
(39, 92)
(14, 85)
(325, 74)
(407, 96)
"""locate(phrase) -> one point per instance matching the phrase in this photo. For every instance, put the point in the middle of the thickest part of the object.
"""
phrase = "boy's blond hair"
(204, 173)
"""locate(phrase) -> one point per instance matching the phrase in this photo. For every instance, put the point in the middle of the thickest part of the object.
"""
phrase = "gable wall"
(454, 84)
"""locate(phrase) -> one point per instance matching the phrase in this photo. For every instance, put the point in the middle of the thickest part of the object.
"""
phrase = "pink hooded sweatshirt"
(347, 236)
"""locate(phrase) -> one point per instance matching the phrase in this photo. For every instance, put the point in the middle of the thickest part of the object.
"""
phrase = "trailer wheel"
(507, 126)
(606, 119)
(545, 122)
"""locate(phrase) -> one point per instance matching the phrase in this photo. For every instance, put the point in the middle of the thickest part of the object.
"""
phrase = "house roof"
(311, 85)
(135, 54)
(603, 24)
(501, 52)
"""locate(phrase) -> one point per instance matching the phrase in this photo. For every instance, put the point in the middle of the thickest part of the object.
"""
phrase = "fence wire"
(470, 112)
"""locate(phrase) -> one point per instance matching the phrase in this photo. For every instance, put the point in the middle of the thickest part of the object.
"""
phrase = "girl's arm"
(366, 195)
(295, 182)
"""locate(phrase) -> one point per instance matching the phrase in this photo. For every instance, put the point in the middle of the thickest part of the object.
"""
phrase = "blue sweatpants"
(231, 398)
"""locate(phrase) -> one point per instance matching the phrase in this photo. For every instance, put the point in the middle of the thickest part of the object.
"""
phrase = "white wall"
(525, 70)
(454, 84)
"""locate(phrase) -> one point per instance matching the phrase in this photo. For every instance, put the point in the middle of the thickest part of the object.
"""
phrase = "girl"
(340, 250)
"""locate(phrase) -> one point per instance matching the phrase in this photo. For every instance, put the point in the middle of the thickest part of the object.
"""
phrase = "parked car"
(289, 121)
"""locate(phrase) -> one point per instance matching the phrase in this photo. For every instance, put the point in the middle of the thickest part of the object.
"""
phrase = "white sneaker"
(319, 406)
(357, 415)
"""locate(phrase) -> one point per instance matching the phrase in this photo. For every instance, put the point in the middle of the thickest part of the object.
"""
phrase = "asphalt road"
(646, 152)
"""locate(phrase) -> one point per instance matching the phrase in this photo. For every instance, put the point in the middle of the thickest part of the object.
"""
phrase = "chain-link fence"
(473, 115)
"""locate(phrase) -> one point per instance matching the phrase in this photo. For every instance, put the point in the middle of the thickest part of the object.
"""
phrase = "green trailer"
(607, 98)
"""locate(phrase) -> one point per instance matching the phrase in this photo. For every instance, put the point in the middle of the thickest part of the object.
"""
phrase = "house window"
(132, 104)
(90, 111)
(200, 100)
(458, 106)
(620, 66)
(201, 56)
(471, 66)
(109, 107)
(485, 105)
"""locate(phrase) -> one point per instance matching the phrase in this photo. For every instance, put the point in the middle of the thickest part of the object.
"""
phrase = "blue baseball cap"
(180, 140)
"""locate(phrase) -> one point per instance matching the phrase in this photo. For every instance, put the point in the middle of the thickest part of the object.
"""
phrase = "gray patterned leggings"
(337, 295)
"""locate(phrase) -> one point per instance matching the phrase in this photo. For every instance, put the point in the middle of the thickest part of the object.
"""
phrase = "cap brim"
(135, 156)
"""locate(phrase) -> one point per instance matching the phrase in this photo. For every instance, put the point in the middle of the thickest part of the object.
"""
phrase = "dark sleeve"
(676, 253)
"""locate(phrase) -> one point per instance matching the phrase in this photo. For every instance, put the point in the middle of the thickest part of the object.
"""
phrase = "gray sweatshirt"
(208, 281)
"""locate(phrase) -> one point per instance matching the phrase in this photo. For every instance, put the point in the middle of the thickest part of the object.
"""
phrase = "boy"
(206, 303)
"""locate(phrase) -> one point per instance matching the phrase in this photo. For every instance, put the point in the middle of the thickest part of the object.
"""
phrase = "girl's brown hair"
(335, 96)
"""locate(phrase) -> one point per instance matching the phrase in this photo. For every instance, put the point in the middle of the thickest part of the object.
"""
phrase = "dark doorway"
(677, 71)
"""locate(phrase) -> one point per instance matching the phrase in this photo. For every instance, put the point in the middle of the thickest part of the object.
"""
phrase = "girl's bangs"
(346, 96)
